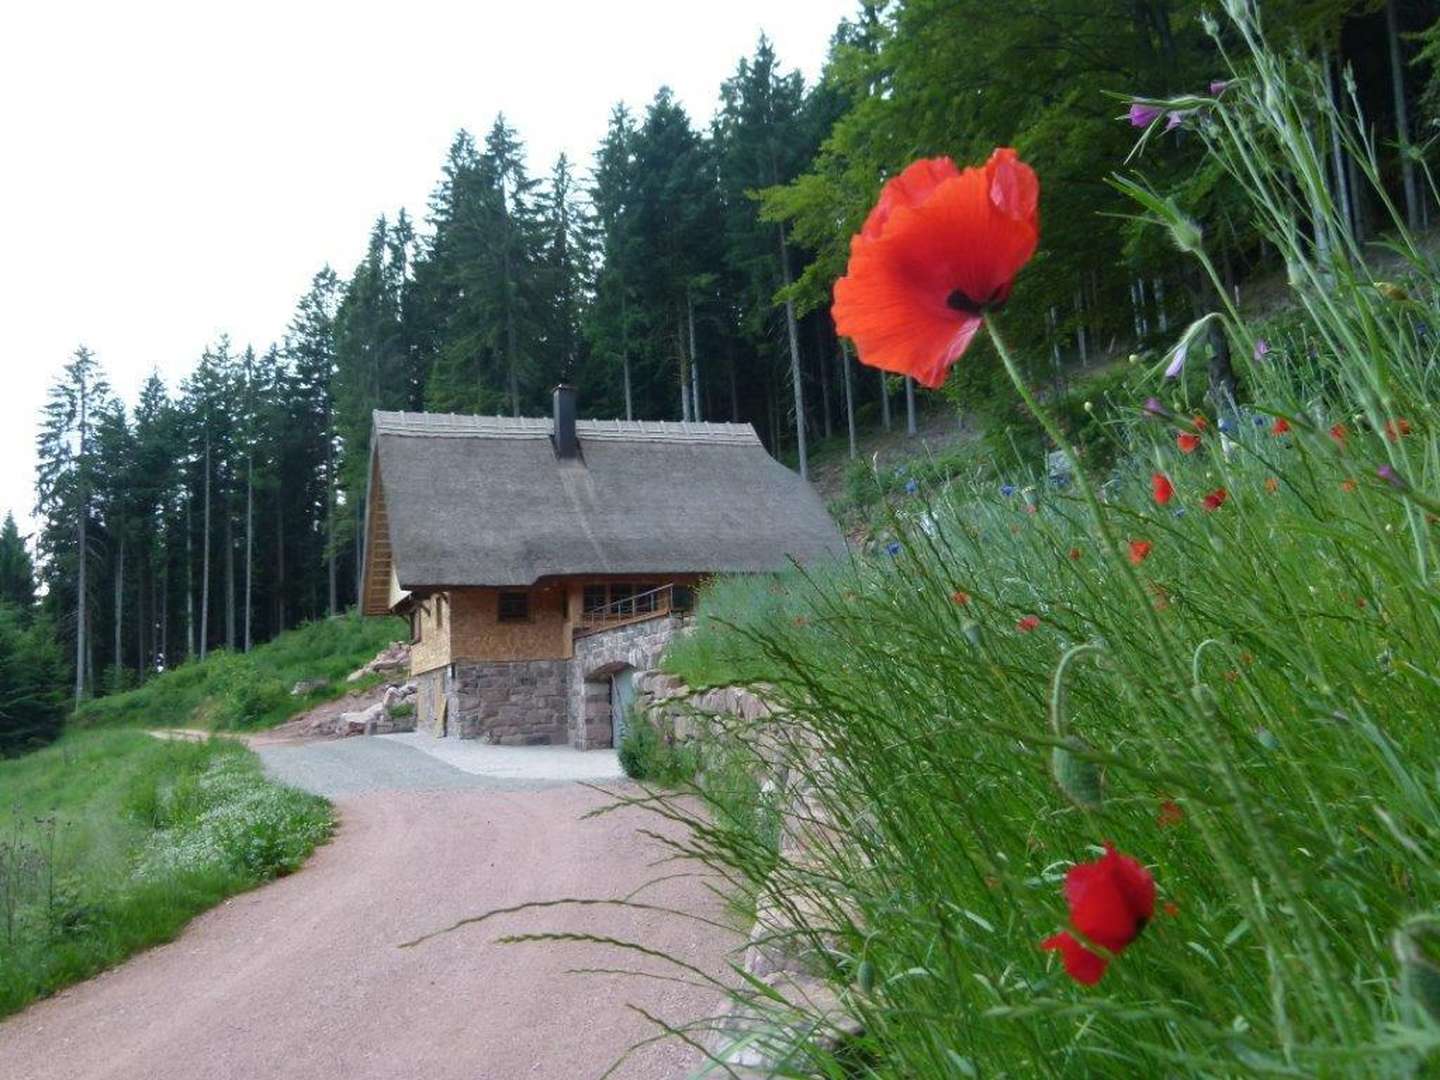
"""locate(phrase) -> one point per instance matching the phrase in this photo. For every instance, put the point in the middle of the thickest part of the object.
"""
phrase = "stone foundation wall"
(510, 702)
(597, 658)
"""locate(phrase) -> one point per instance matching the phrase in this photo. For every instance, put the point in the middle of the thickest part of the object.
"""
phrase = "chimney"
(566, 445)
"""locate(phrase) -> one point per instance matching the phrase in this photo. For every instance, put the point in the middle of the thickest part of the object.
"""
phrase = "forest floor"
(307, 976)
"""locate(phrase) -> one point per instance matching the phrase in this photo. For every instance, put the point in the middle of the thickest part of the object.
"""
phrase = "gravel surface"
(304, 978)
(515, 762)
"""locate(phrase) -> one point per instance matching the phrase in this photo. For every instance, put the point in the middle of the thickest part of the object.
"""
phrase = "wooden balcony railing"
(646, 605)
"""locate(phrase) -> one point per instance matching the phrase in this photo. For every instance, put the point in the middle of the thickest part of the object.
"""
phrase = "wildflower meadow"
(1128, 771)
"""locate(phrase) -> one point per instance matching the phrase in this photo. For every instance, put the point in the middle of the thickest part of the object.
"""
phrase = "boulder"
(362, 722)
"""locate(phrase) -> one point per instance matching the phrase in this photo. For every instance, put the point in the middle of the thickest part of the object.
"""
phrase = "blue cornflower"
(892, 548)
(1259, 421)
(1179, 511)
(1225, 424)
(1007, 490)
(911, 486)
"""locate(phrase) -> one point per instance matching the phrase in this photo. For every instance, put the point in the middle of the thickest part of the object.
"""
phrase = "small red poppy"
(1075, 554)
(1139, 551)
(1028, 623)
(1347, 486)
(1395, 428)
(1339, 434)
(1110, 901)
(1171, 909)
(939, 249)
(960, 597)
(1280, 427)
(1272, 485)
(1187, 442)
(1163, 489)
(1171, 814)
(1215, 499)
(1199, 423)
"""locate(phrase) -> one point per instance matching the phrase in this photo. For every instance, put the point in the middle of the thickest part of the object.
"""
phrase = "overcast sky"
(171, 171)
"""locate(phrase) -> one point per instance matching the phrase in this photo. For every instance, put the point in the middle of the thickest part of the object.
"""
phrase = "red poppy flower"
(1110, 901)
(1280, 427)
(1164, 490)
(1171, 814)
(940, 249)
(1171, 909)
(1028, 623)
(960, 597)
(1187, 442)
(1199, 423)
(1272, 485)
(1216, 499)
(1347, 486)
(1075, 554)
(1395, 428)
(1139, 551)
(1339, 434)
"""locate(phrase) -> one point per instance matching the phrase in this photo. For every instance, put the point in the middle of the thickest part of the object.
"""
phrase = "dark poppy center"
(961, 301)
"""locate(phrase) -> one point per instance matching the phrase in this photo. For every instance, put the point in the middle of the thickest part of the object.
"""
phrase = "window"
(596, 598)
(514, 607)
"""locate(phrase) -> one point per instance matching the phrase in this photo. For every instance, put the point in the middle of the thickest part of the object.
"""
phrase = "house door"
(622, 696)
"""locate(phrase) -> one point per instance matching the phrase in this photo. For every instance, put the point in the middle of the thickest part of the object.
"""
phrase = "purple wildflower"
(1218, 87)
(1262, 348)
(1390, 476)
(1176, 117)
(1154, 407)
(1177, 365)
(1143, 115)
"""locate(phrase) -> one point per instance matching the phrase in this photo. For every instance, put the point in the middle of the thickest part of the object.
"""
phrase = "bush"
(645, 754)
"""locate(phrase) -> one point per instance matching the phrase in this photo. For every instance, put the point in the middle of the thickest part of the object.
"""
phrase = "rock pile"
(395, 711)
(392, 659)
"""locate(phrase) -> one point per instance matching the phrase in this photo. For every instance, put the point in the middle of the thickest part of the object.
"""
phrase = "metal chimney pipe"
(566, 444)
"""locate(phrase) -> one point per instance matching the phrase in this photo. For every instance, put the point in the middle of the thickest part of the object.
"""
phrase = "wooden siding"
(478, 633)
(432, 650)
(381, 584)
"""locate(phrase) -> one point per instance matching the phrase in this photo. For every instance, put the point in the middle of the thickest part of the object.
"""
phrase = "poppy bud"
(971, 630)
(865, 976)
(1078, 779)
(1417, 947)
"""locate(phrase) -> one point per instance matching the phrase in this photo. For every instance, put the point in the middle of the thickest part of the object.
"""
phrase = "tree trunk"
(249, 540)
(734, 386)
(694, 360)
(1161, 318)
(827, 423)
(229, 575)
(625, 355)
(80, 613)
(1224, 387)
(189, 577)
(205, 559)
(910, 428)
(162, 654)
(884, 402)
(1337, 151)
(797, 383)
(279, 627)
(849, 392)
(330, 518)
(119, 604)
(1402, 119)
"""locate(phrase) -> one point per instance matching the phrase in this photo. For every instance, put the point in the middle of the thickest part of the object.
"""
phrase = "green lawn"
(112, 840)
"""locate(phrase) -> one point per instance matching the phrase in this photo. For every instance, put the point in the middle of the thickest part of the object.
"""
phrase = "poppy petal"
(1081, 964)
(911, 188)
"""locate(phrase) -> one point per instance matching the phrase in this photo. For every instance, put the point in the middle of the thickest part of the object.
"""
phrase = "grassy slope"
(111, 841)
(230, 690)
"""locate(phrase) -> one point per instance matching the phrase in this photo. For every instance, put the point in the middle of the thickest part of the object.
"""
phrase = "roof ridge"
(459, 425)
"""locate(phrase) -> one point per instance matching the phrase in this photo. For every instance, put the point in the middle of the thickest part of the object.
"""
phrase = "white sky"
(169, 171)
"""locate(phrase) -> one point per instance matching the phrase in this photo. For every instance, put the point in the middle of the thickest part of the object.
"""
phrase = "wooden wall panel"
(477, 633)
(433, 650)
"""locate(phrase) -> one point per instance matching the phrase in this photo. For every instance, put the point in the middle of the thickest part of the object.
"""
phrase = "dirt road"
(304, 978)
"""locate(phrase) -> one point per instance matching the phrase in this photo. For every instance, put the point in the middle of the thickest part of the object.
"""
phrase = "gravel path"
(304, 978)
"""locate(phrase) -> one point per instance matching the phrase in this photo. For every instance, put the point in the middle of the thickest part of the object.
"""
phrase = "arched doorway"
(608, 697)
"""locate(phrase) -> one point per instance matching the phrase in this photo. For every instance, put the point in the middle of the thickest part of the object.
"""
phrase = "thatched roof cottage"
(540, 561)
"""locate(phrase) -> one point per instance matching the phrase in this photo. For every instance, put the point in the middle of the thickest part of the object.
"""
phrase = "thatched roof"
(474, 500)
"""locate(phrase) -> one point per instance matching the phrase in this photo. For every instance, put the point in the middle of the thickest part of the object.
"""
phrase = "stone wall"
(598, 657)
(510, 702)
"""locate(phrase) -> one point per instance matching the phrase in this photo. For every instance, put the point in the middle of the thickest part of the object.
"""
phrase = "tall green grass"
(1260, 695)
(250, 690)
(111, 841)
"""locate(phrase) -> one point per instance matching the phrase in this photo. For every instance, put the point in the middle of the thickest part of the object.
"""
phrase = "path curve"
(303, 978)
